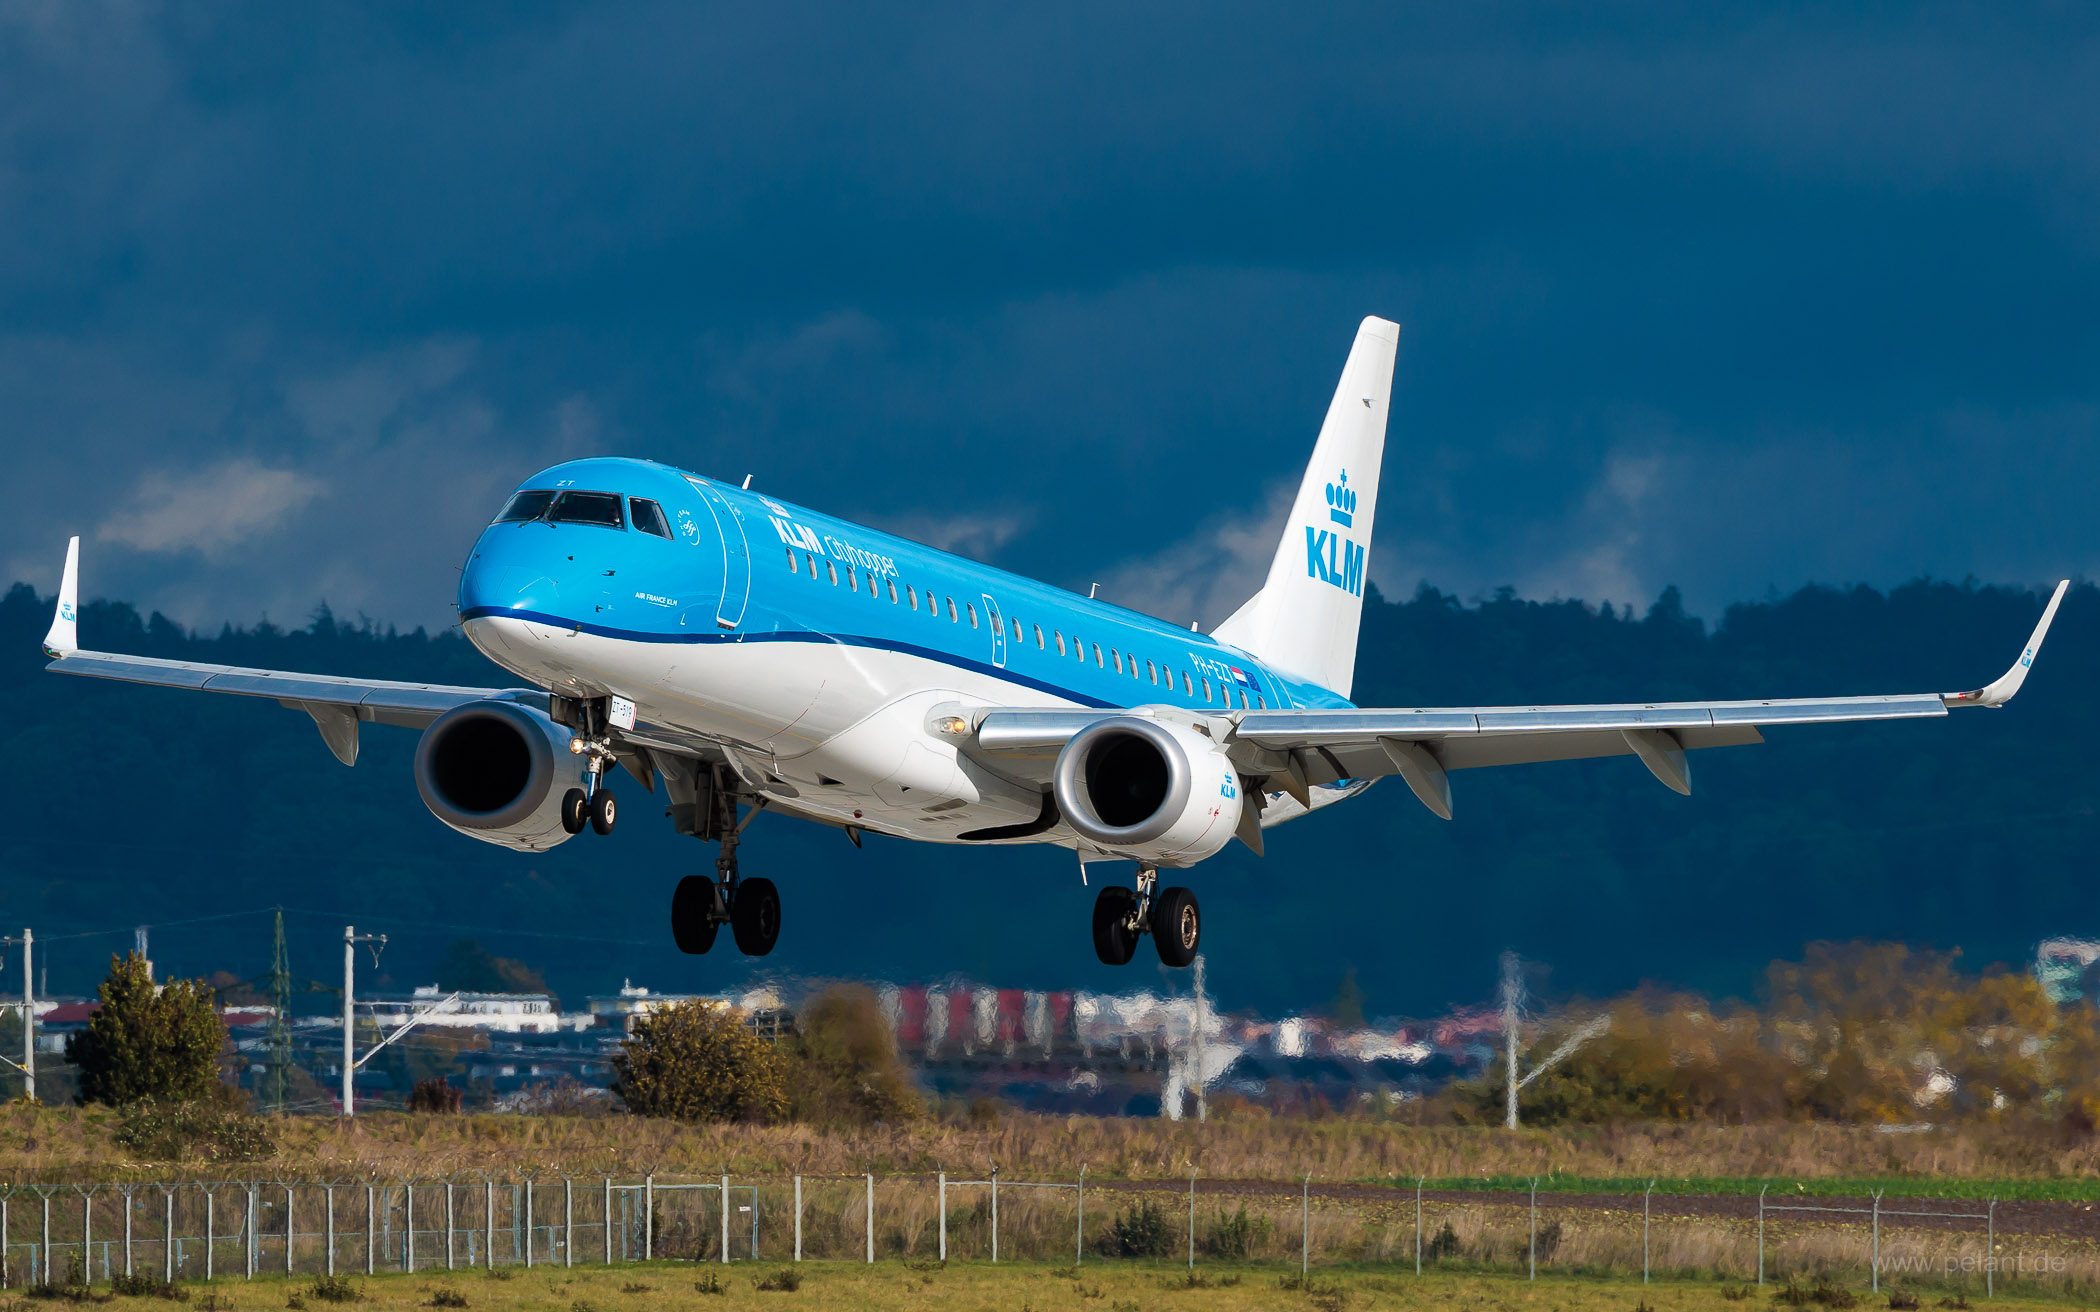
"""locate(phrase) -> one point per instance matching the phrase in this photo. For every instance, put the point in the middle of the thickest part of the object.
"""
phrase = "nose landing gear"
(591, 804)
(1169, 915)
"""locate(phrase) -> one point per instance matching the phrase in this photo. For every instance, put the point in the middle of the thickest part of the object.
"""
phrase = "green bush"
(1140, 1231)
(697, 1061)
(1238, 1236)
(215, 1131)
(147, 1040)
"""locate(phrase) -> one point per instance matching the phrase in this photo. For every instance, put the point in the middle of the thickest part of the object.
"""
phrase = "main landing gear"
(701, 906)
(1169, 915)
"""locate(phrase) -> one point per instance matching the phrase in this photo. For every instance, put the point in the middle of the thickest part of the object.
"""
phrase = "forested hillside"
(146, 806)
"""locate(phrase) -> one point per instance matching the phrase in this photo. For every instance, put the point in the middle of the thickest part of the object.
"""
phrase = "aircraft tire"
(1114, 941)
(692, 905)
(1177, 926)
(604, 811)
(575, 811)
(755, 917)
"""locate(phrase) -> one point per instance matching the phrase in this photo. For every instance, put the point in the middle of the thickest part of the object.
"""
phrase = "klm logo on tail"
(1330, 557)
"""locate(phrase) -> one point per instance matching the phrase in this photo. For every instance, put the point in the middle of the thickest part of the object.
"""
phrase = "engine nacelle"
(497, 771)
(1148, 790)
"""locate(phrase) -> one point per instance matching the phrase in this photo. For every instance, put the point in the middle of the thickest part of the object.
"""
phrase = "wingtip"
(2002, 689)
(63, 638)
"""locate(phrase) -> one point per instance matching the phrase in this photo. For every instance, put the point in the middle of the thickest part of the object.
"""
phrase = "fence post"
(568, 1221)
(488, 1212)
(371, 1229)
(798, 1223)
(167, 1243)
(1990, 1254)
(1079, 1243)
(648, 1217)
(1644, 1230)
(1418, 1225)
(725, 1220)
(211, 1205)
(995, 1215)
(87, 1236)
(1761, 1235)
(328, 1221)
(1877, 1242)
(254, 1243)
(6, 1271)
(291, 1231)
(871, 1219)
(127, 1191)
(451, 1256)
(528, 1223)
(1305, 1230)
(607, 1227)
(1534, 1228)
(1192, 1220)
(408, 1223)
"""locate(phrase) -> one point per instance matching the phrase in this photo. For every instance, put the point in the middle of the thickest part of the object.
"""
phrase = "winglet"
(2001, 691)
(64, 636)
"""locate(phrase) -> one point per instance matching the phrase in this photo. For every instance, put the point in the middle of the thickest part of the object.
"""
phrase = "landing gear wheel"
(1177, 926)
(575, 811)
(692, 914)
(755, 917)
(1114, 940)
(603, 811)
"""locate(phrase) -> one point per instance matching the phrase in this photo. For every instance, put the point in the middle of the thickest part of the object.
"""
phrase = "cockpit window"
(527, 505)
(649, 517)
(602, 508)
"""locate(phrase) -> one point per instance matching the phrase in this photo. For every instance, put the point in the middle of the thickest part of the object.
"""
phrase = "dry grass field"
(76, 1144)
(1096, 1287)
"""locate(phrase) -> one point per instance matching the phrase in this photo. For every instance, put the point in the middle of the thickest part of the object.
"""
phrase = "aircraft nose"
(495, 587)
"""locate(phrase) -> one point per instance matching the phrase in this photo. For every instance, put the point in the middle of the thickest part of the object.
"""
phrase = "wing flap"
(388, 700)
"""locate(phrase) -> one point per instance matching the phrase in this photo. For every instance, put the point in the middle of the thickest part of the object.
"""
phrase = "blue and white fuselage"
(813, 649)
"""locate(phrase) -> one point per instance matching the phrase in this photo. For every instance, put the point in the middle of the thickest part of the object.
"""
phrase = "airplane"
(755, 655)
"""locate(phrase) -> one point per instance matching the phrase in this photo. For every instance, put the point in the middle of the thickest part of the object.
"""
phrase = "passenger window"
(1151, 670)
(875, 587)
(1261, 703)
(951, 609)
(1115, 660)
(1097, 656)
(833, 571)
(1206, 688)
(893, 592)
(812, 562)
(648, 517)
(1059, 634)
(525, 506)
(972, 608)
(852, 583)
(600, 508)
(911, 596)
(1038, 636)
(793, 568)
(1188, 688)
(1017, 630)
(1243, 699)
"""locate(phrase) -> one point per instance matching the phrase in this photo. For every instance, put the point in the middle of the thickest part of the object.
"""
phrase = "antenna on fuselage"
(1090, 592)
(747, 482)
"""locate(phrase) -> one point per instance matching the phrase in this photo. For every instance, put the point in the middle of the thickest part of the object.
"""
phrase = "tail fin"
(1304, 620)
(63, 638)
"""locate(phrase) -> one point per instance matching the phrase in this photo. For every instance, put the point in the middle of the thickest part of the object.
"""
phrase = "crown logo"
(1341, 501)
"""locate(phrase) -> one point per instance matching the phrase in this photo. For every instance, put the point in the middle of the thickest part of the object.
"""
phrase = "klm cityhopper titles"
(750, 654)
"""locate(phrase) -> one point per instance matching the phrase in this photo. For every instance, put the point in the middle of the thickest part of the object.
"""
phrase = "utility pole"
(1202, 1103)
(280, 1036)
(1512, 988)
(351, 938)
(138, 945)
(27, 942)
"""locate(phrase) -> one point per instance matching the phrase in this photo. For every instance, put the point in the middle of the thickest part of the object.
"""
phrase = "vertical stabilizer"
(1304, 620)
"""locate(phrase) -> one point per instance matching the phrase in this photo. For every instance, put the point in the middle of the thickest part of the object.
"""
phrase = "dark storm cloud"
(1725, 297)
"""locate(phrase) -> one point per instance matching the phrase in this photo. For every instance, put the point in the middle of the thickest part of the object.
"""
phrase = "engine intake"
(1147, 789)
(497, 771)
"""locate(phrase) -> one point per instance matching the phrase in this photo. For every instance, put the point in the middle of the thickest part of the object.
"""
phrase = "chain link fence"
(59, 1233)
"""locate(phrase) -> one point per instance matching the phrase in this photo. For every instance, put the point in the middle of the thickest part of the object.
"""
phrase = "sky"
(1728, 297)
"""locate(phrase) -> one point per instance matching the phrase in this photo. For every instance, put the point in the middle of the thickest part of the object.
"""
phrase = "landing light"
(952, 724)
(575, 746)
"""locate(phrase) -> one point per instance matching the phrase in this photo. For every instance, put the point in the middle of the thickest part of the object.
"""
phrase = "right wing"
(1295, 751)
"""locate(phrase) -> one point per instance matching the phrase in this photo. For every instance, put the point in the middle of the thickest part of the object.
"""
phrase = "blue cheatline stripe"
(801, 635)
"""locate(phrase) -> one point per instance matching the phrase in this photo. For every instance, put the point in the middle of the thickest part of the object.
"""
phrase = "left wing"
(337, 705)
(1296, 750)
